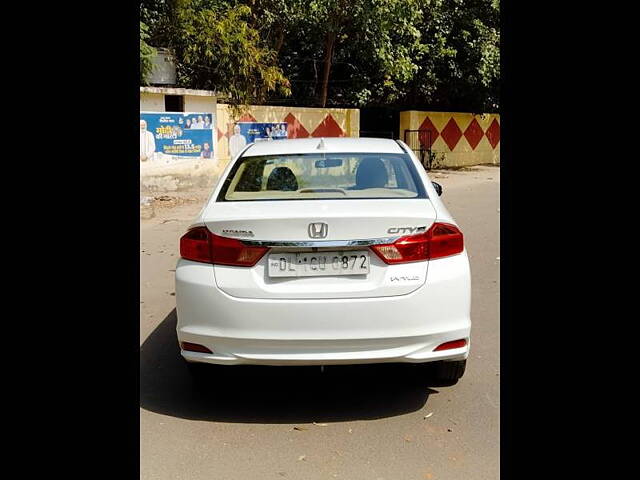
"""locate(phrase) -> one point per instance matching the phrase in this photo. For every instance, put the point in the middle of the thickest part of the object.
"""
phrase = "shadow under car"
(260, 394)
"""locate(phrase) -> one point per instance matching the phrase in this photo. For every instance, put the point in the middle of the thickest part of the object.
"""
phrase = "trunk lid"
(347, 220)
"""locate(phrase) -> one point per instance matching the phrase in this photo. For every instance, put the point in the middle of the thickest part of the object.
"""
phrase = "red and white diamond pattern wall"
(302, 123)
(463, 138)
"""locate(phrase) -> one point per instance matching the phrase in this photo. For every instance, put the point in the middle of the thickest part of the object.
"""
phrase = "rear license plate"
(317, 264)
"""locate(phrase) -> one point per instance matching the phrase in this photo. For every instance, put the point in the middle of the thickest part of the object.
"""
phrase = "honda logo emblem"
(318, 230)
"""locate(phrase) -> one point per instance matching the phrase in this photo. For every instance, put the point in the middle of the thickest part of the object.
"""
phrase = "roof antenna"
(321, 145)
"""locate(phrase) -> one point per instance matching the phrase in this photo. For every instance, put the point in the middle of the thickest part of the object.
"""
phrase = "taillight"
(451, 345)
(446, 240)
(194, 347)
(441, 240)
(200, 245)
(195, 245)
(229, 251)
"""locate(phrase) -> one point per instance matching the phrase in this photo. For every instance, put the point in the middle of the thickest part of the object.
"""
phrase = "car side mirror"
(438, 188)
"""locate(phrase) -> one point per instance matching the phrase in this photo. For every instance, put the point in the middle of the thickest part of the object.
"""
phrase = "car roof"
(327, 145)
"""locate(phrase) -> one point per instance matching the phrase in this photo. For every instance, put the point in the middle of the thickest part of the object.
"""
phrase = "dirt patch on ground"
(160, 205)
(171, 201)
(466, 168)
(462, 178)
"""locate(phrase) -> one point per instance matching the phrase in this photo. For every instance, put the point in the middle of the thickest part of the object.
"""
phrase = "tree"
(428, 54)
(336, 52)
(216, 49)
(439, 54)
(146, 54)
(378, 53)
(461, 67)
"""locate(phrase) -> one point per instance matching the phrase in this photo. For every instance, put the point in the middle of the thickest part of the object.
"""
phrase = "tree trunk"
(329, 42)
(279, 40)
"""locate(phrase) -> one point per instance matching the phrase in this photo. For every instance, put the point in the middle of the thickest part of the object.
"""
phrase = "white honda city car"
(323, 252)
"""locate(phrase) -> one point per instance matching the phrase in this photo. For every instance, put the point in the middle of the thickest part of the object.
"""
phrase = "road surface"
(365, 422)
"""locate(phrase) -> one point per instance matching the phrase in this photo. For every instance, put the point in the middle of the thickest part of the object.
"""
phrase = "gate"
(420, 142)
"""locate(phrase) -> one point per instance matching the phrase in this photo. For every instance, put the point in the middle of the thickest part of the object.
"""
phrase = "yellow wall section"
(348, 119)
(462, 154)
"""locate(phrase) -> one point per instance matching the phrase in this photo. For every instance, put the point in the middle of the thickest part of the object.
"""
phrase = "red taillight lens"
(446, 240)
(195, 245)
(450, 345)
(441, 240)
(194, 347)
(200, 245)
(405, 249)
(229, 251)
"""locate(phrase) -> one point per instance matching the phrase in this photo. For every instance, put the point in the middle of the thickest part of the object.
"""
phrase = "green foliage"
(461, 69)
(376, 47)
(428, 54)
(146, 54)
(217, 49)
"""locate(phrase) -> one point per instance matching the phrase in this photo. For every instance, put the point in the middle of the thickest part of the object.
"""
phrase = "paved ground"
(367, 422)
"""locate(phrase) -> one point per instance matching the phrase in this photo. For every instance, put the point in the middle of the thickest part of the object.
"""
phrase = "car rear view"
(332, 251)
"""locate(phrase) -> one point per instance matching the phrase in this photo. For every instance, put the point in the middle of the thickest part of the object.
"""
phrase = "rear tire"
(448, 373)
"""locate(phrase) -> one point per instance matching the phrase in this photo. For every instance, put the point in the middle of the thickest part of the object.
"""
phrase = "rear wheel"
(448, 373)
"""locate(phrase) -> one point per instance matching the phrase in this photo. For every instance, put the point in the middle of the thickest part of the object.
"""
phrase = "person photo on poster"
(168, 135)
(237, 141)
(147, 143)
(206, 150)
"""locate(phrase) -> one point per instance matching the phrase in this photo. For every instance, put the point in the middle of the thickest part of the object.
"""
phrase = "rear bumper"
(296, 353)
(405, 328)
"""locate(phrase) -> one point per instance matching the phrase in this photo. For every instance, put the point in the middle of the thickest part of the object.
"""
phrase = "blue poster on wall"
(176, 135)
(245, 133)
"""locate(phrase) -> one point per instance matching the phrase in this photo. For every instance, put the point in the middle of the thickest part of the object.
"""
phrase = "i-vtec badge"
(238, 233)
(406, 229)
(412, 278)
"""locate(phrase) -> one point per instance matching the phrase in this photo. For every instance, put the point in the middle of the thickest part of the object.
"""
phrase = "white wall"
(158, 177)
(193, 103)
(151, 102)
(154, 102)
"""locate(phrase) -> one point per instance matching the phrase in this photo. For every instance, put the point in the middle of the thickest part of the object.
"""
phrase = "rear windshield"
(322, 176)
